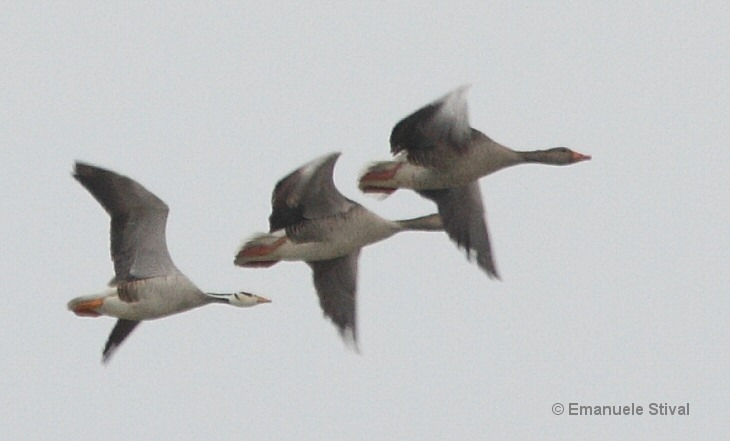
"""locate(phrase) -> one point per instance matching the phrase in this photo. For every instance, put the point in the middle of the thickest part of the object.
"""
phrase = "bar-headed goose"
(440, 156)
(147, 284)
(312, 221)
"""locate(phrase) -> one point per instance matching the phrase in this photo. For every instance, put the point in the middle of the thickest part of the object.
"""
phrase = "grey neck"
(536, 156)
(432, 222)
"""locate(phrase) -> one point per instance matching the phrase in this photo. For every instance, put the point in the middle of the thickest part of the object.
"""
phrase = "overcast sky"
(615, 271)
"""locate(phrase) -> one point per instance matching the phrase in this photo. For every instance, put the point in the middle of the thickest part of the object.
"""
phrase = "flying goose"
(147, 284)
(441, 157)
(312, 221)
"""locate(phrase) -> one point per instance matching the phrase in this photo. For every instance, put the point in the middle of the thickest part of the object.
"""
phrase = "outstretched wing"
(463, 218)
(336, 283)
(120, 332)
(138, 221)
(307, 193)
(437, 129)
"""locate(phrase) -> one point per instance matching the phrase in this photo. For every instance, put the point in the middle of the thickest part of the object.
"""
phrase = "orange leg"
(255, 251)
(88, 308)
(374, 189)
(369, 181)
(382, 174)
(260, 264)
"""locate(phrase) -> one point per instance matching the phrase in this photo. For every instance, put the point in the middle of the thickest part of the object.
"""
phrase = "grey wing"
(138, 222)
(463, 217)
(120, 332)
(439, 128)
(336, 283)
(307, 193)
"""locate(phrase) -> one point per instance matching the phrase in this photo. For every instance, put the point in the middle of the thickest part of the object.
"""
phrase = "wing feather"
(307, 193)
(138, 222)
(120, 332)
(439, 128)
(462, 213)
(336, 283)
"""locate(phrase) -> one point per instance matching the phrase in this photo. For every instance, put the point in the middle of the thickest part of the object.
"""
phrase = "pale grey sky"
(615, 271)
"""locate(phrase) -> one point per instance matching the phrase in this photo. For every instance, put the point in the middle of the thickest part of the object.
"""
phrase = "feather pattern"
(307, 193)
(462, 213)
(428, 132)
(335, 281)
(138, 223)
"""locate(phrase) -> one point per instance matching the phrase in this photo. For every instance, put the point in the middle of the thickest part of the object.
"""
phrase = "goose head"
(555, 156)
(240, 299)
(244, 299)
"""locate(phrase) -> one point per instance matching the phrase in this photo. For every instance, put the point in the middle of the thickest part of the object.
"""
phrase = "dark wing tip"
(120, 332)
(109, 350)
(83, 169)
(91, 176)
(487, 264)
(349, 336)
(346, 327)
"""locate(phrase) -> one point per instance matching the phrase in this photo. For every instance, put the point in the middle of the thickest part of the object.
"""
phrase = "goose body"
(147, 285)
(321, 238)
(440, 156)
(452, 170)
(312, 221)
(156, 297)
